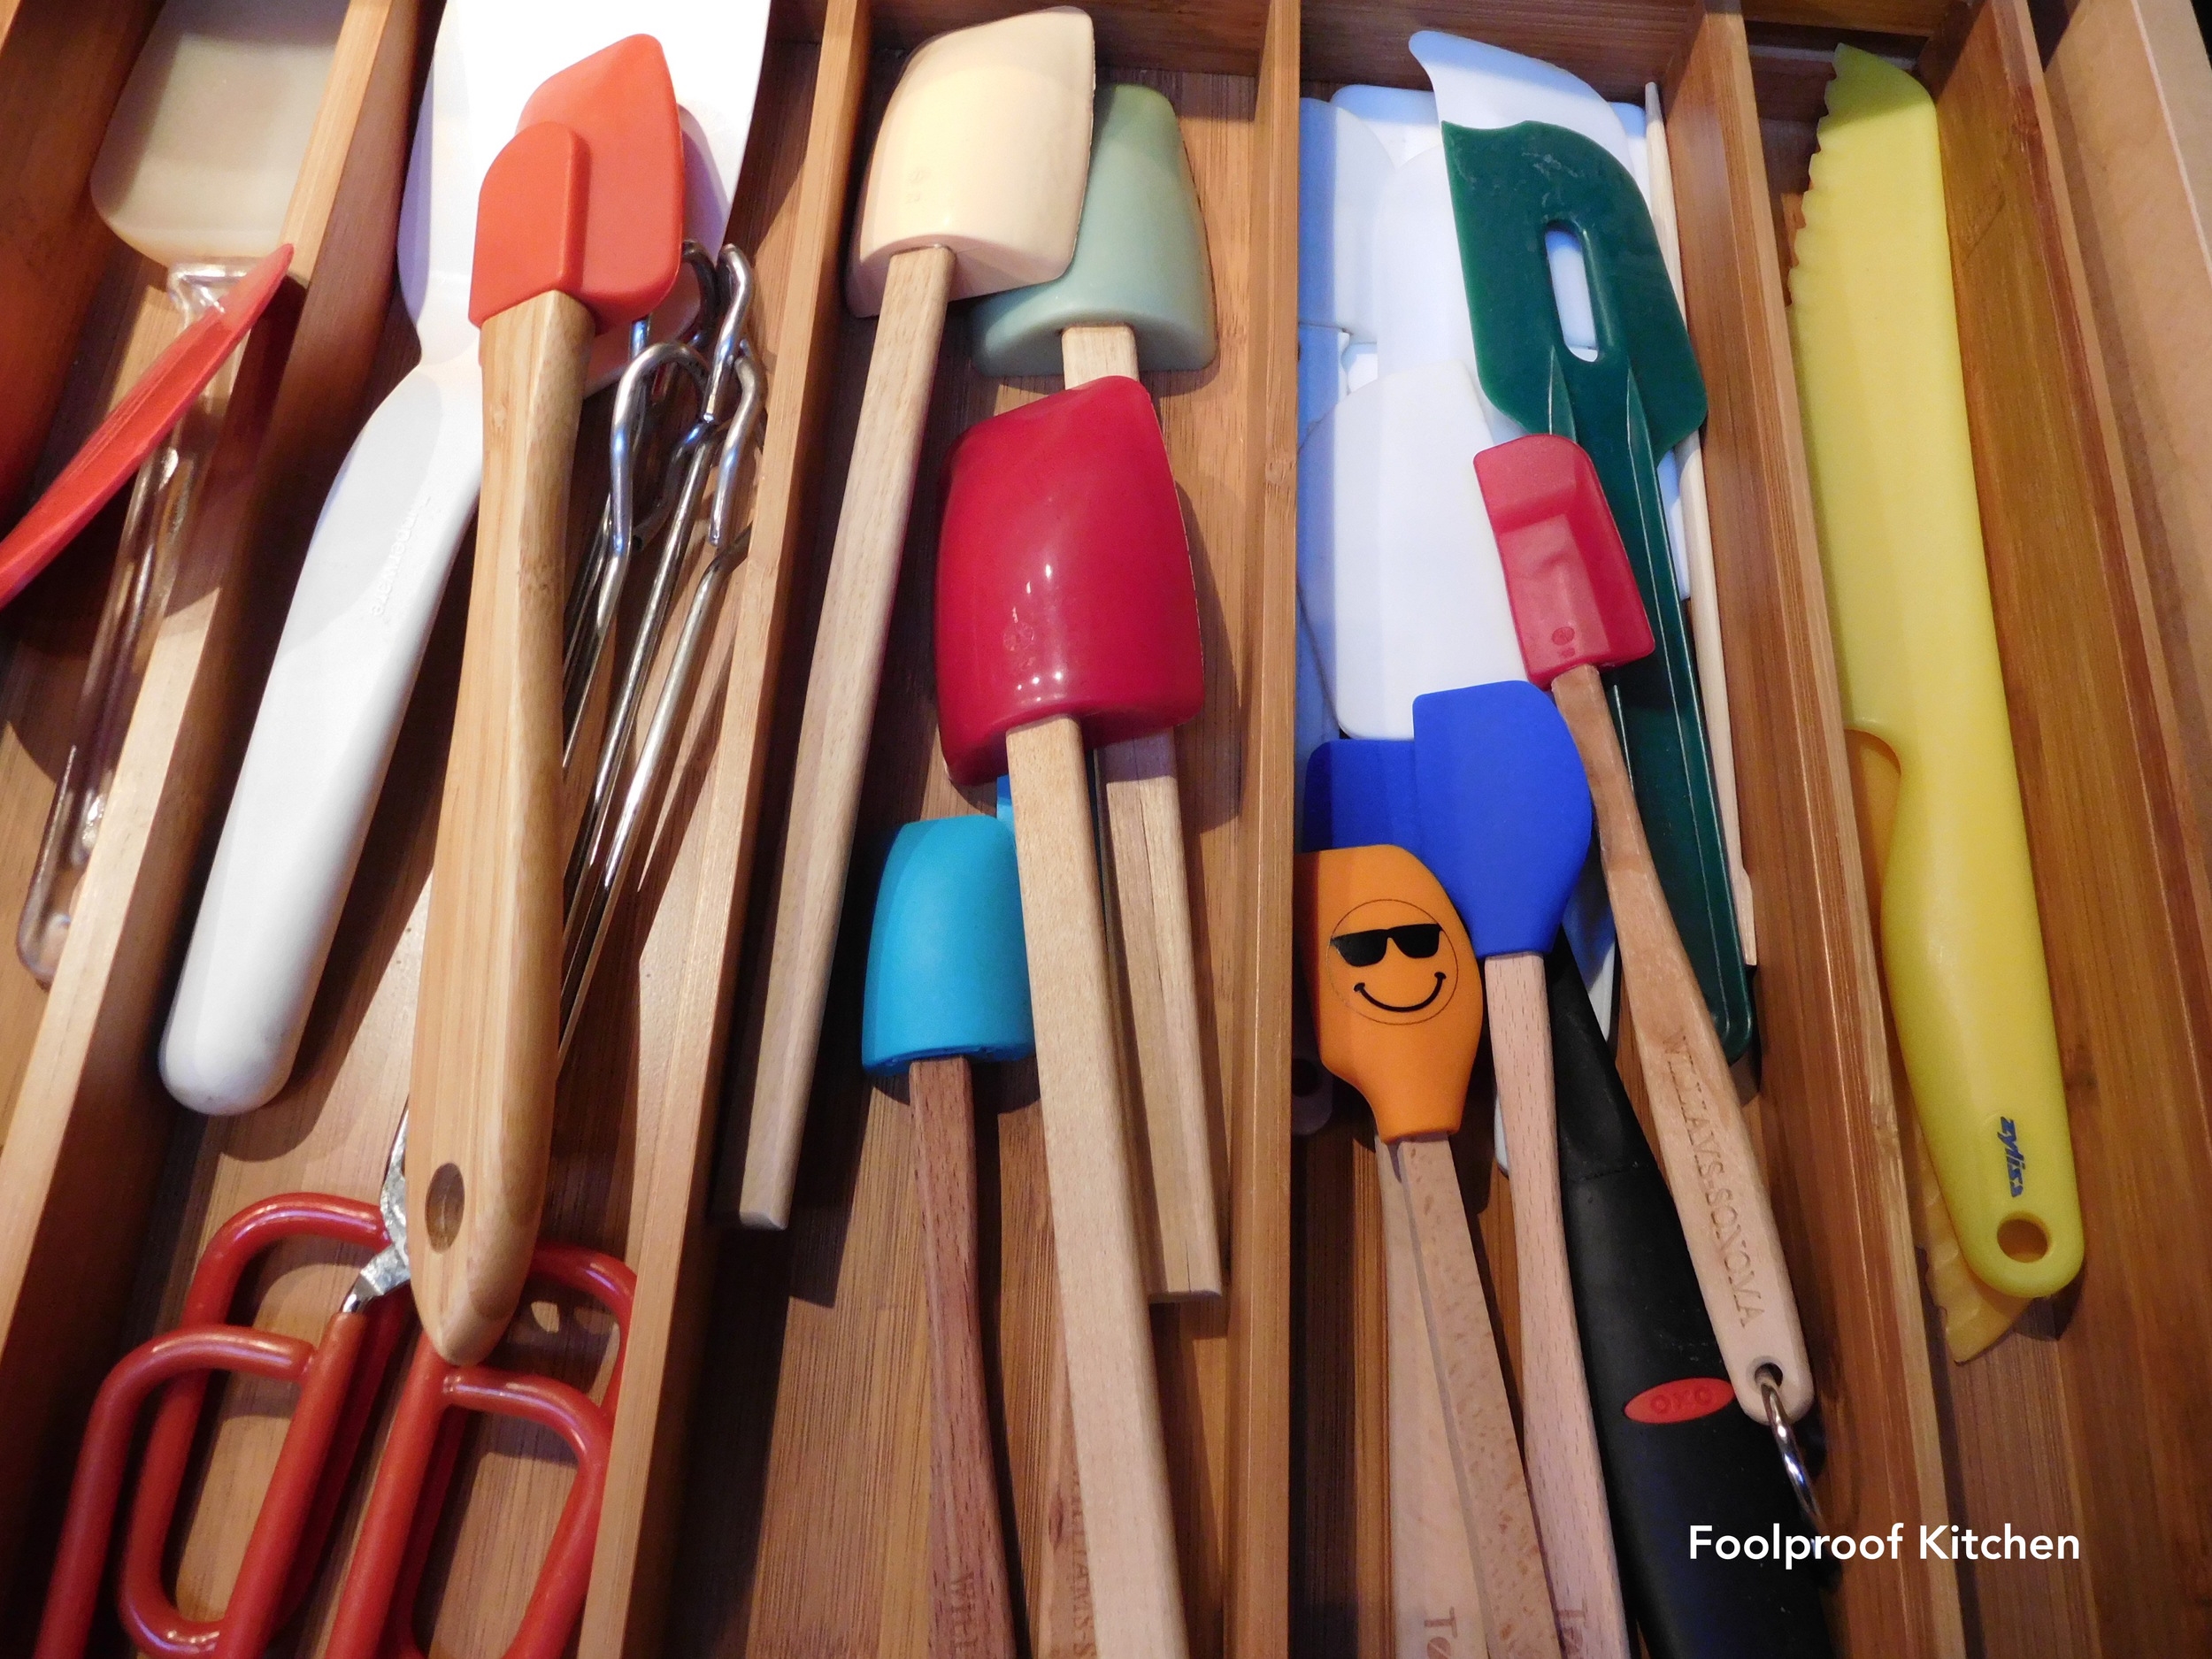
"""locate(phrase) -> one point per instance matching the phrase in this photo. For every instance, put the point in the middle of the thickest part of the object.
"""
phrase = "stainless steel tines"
(703, 469)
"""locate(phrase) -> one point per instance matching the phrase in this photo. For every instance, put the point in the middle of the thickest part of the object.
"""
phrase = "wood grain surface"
(1566, 1484)
(486, 1055)
(2120, 880)
(92, 1129)
(1828, 1128)
(775, 1563)
(1163, 1071)
(1494, 1494)
(970, 1615)
(1435, 1595)
(842, 679)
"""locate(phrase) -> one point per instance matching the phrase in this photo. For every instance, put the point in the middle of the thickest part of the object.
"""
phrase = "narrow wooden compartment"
(111, 1188)
(2078, 1422)
(88, 1130)
(804, 1529)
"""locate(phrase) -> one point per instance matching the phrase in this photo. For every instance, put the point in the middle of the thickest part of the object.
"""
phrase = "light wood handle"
(1703, 1143)
(487, 1037)
(1158, 962)
(1120, 1455)
(1494, 1500)
(1434, 1594)
(970, 1614)
(841, 701)
(1565, 1479)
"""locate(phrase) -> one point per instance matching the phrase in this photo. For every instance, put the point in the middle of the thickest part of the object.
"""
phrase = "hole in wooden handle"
(442, 1211)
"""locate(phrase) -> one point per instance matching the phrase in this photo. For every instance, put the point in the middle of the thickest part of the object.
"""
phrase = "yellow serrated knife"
(1886, 431)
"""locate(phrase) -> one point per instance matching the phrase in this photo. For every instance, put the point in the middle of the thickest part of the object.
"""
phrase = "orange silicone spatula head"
(588, 198)
(1395, 988)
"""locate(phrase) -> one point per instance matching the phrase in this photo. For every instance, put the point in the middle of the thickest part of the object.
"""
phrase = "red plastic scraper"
(578, 229)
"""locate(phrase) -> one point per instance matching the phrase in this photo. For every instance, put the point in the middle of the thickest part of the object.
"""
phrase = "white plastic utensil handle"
(330, 714)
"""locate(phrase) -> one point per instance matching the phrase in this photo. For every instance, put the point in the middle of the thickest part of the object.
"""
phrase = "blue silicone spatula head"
(1503, 810)
(948, 967)
(1359, 792)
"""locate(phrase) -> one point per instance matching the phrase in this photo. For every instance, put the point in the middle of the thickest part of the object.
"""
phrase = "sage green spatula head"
(1140, 257)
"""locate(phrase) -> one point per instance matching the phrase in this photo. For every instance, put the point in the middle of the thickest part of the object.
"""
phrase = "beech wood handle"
(841, 701)
(1566, 1481)
(486, 1021)
(1120, 1455)
(1434, 1594)
(1516, 1611)
(971, 1615)
(1703, 1144)
(1159, 963)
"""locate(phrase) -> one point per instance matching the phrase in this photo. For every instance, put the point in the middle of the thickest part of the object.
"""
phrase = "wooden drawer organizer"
(770, 1459)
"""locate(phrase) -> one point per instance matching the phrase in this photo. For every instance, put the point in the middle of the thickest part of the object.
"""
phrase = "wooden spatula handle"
(486, 1021)
(1120, 1455)
(1703, 1143)
(1435, 1593)
(1565, 1479)
(1516, 1611)
(841, 701)
(970, 1615)
(1159, 963)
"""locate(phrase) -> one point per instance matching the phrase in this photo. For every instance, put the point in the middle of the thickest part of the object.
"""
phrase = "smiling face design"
(1392, 962)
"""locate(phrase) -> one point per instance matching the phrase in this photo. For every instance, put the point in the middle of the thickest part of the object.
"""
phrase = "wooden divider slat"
(2119, 881)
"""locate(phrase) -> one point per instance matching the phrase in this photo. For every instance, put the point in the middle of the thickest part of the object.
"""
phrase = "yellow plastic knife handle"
(1963, 949)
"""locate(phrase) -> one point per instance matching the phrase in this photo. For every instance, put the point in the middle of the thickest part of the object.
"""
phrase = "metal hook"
(1786, 1442)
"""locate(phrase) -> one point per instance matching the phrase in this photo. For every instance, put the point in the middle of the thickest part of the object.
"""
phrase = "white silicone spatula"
(194, 172)
(385, 542)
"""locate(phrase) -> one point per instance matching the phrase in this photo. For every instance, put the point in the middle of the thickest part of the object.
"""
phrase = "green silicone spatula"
(1512, 179)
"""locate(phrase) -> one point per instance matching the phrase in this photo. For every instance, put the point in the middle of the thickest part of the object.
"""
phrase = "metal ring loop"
(1792, 1455)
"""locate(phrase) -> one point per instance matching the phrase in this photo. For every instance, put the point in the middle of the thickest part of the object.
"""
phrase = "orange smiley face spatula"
(579, 230)
(1397, 1004)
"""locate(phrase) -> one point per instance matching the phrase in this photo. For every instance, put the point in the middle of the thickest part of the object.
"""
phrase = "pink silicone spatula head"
(1567, 575)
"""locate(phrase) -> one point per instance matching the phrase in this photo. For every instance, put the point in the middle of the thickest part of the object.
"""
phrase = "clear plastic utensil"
(195, 172)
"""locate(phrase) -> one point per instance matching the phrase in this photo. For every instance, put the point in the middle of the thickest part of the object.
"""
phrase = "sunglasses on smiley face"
(1419, 941)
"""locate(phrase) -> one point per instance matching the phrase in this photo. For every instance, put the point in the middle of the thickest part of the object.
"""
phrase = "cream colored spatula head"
(206, 141)
(984, 150)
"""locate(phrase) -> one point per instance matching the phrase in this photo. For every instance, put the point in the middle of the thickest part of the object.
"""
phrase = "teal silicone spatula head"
(948, 969)
(1140, 255)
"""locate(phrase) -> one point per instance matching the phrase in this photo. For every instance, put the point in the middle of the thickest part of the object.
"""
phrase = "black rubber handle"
(1678, 1451)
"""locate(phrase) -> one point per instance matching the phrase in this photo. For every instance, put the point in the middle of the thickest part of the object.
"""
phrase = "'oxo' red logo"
(1680, 1400)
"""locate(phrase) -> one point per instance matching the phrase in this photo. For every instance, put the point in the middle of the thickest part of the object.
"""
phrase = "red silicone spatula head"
(1567, 575)
(134, 426)
(1064, 579)
(588, 198)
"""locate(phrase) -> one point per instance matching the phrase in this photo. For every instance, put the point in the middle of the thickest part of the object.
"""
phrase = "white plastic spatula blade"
(384, 545)
(1342, 168)
(1403, 591)
(1402, 118)
(207, 139)
(1420, 302)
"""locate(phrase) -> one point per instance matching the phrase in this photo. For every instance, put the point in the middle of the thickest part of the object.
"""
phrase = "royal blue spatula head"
(1503, 810)
(948, 967)
(1359, 792)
